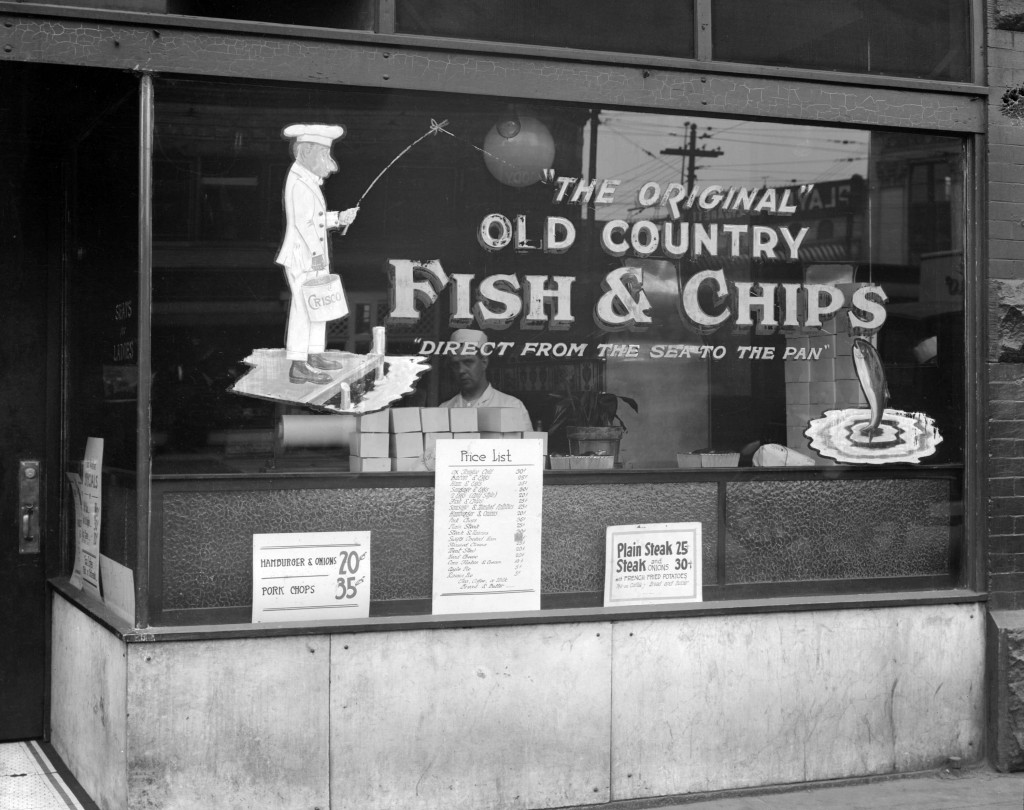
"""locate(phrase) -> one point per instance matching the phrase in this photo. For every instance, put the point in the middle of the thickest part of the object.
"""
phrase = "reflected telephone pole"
(691, 152)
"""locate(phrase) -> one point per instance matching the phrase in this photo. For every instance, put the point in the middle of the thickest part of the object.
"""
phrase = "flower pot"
(591, 462)
(594, 441)
(719, 459)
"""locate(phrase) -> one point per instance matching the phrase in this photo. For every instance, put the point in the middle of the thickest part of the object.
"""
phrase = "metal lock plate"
(29, 519)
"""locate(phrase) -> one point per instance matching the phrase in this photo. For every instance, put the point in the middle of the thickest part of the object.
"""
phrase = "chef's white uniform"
(306, 239)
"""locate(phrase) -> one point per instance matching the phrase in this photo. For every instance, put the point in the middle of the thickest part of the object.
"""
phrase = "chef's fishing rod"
(435, 127)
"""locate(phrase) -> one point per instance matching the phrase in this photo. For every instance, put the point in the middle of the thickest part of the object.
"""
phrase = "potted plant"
(592, 425)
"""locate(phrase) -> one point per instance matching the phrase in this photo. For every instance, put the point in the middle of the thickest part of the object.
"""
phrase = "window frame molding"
(143, 41)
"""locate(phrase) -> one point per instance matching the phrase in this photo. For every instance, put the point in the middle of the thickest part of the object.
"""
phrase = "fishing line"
(435, 128)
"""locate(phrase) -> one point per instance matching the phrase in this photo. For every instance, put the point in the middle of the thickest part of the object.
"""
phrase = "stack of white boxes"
(406, 440)
(369, 449)
(437, 424)
(400, 439)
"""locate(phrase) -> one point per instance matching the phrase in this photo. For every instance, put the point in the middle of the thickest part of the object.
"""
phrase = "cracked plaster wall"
(190, 47)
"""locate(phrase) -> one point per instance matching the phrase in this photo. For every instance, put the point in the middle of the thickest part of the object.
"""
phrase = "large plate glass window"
(743, 284)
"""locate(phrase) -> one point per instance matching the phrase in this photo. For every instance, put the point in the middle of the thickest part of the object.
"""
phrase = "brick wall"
(1006, 485)
(1005, 351)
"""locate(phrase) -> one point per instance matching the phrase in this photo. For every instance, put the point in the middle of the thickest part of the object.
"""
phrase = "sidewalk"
(33, 778)
(977, 788)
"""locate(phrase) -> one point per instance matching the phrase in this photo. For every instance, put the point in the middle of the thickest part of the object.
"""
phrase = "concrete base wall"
(1006, 689)
(88, 708)
(741, 701)
(518, 717)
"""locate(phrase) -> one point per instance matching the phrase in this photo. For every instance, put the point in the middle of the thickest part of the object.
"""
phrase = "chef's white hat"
(323, 134)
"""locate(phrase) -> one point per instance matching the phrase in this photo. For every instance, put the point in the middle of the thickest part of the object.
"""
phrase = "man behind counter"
(470, 371)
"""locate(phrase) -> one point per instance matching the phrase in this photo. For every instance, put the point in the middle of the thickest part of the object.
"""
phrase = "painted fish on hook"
(871, 374)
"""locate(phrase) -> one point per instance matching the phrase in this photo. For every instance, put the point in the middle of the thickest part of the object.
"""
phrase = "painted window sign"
(621, 307)
(731, 292)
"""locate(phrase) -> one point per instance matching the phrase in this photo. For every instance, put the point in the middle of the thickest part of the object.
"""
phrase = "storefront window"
(101, 303)
(102, 280)
(927, 39)
(763, 293)
(655, 27)
(356, 16)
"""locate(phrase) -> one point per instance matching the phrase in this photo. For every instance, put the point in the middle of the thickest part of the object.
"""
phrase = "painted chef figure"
(305, 249)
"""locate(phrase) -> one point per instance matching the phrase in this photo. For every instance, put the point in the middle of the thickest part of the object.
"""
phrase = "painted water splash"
(846, 436)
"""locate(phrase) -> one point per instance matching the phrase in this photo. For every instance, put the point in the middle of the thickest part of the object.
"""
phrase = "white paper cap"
(323, 134)
(472, 336)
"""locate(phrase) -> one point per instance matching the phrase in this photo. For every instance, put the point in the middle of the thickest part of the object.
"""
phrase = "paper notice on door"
(75, 482)
(87, 492)
(487, 525)
(91, 498)
(310, 576)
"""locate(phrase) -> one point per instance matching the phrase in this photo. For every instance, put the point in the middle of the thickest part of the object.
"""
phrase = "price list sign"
(653, 564)
(487, 525)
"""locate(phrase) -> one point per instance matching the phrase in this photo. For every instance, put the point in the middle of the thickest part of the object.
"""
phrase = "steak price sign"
(487, 525)
(653, 564)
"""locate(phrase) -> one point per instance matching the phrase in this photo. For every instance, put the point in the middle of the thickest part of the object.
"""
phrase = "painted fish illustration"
(868, 365)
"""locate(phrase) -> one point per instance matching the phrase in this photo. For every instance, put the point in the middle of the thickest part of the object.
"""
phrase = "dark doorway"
(45, 111)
